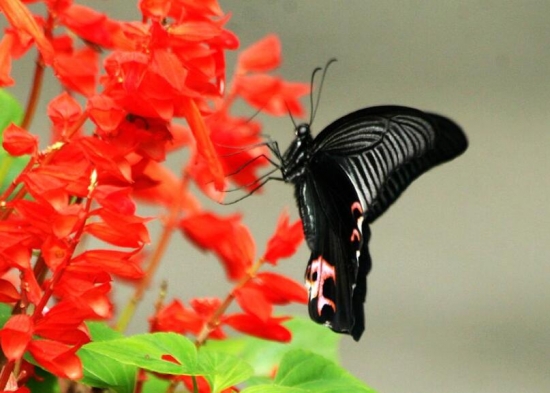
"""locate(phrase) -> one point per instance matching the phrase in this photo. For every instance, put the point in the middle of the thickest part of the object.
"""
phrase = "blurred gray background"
(459, 294)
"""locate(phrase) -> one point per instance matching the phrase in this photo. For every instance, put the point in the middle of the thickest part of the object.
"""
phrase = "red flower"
(77, 70)
(227, 237)
(16, 335)
(271, 94)
(262, 56)
(21, 19)
(271, 329)
(17, 141)
(64, 111)
(58, 358)
(285, 241)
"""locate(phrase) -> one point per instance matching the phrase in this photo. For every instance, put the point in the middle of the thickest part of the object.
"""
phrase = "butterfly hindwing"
(339, 262)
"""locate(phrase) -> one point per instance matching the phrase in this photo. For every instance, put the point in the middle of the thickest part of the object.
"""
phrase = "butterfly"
(344, 179)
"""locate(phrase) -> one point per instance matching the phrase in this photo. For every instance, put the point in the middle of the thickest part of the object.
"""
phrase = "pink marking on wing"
(355, 236)
(356, 206)
(324, 271)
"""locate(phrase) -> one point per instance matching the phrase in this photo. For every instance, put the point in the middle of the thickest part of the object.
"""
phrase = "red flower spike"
(261, 56)
(5, 60)
(227, 237)
(279, 289)
(16, 335)
(21, 19)
(57, 358)
(8, 292)
(64, 111)
(272, 329)
(253, 301)
(204, 144)
(17, 141)
(285, 241)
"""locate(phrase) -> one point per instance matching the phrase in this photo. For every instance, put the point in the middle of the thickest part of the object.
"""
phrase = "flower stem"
(214, 320)
(5, 375)
(154, 262)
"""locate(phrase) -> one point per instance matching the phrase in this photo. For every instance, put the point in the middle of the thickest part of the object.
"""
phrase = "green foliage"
(303, 371)
(266, 355)
(307, 364)
(113, 361)
(10, 112)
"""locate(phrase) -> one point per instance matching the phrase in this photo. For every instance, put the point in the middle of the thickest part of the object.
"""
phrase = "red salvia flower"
(285, 241)
(20, 18)
(262, 56)
(270, 329)
(227, 237)
(17, 141)
(16, 335)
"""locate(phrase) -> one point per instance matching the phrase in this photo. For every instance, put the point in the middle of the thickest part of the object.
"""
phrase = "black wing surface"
(383, 149)
(338, 239)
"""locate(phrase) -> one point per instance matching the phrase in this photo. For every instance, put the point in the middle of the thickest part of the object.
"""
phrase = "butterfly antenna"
(314, 109)
(311, 82)
(290, 115)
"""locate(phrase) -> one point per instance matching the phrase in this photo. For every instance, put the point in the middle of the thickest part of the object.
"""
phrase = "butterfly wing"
(338, 238)
(383, 149)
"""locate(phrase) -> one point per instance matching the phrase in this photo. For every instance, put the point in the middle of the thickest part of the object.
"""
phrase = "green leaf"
(11, 110)
(266, 355)
(303, 371)
(222, 370)
(153, 384)
(146, 351)
(10, 166)
(102, 371)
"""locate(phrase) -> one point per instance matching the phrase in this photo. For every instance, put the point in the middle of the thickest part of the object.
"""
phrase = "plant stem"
(5, 375)
(214, 320)
(154, 262)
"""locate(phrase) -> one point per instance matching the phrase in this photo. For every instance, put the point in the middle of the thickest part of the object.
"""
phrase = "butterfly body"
(344, 179)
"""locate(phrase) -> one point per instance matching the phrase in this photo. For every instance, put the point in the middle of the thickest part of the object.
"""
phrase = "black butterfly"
(345, 179)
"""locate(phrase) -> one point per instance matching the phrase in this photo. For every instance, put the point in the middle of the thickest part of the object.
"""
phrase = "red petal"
(16, 336)
(261, 56)
(17, 141)
(226, 236)
(8, 292)
(254, 326)
(204, 144)
(174, 317)
(285, 241)
(64, 111)
(78, 70)
(118, 263)
(253, 301)
(20, 18)
(279, 289)
(57, 358)
(5, 60)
